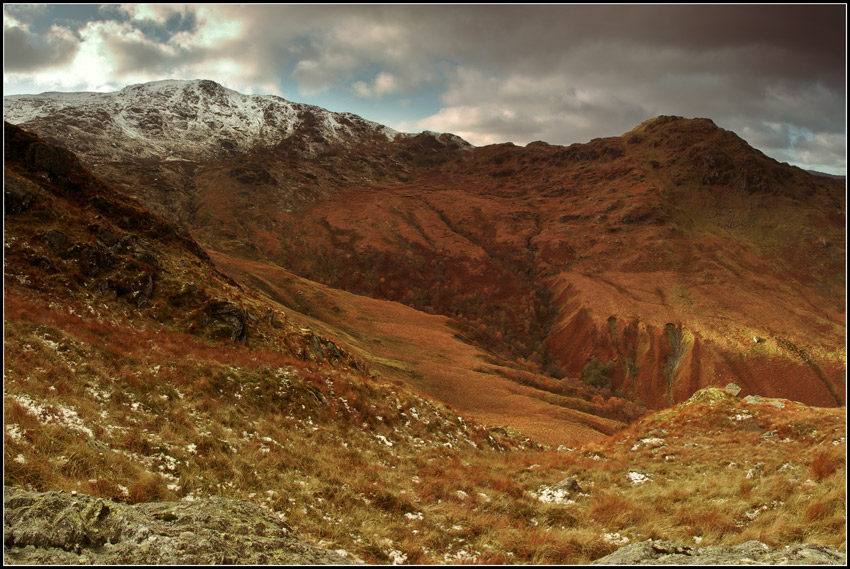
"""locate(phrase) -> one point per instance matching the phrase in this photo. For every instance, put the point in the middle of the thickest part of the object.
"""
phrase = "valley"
(405, 346)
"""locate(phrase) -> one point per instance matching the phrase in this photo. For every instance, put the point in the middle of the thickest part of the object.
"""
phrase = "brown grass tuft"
(825, 464)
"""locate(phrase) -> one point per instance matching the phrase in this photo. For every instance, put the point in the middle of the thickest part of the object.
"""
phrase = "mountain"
(649, 265)
(163, 402)
(167, 141)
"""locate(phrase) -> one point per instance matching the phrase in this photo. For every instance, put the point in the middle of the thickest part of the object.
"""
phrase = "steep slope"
(671, 258)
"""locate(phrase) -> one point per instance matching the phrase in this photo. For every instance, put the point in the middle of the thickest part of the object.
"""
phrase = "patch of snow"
(649, 441)
(615, 538)
(397, 557)
(14, 432)
(549, 495)
(636, 477)
(55, 413)
(741, 415)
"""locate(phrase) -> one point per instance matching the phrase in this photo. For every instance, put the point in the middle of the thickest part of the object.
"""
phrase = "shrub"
(595, 373)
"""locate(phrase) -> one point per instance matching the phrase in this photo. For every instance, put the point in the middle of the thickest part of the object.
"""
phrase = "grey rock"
(569, 484)
(663, 552)
(60, 528)
(17, 197)
(144, 290)
(732, 389)
(232, 315)
(104, 235)
(759, 400)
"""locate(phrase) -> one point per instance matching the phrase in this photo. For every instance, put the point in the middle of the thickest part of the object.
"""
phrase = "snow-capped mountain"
(187, 120)
(183, 147)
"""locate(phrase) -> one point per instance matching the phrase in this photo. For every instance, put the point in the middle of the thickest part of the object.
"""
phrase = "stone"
(569, 484)
(663, 552)
(232, 315)
(732, 389)
(17, 197)
(55, 528)
(57, 241)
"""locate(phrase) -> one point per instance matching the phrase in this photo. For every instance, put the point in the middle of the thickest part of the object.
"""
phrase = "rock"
(57, 241)
(57, 528)
(232, 315)
(759, 400)
(663, 552)
(55, 161)
(569, 484)
(732, 389)
(144, 290)
(104, 235)
(17, 198)
(91, 260)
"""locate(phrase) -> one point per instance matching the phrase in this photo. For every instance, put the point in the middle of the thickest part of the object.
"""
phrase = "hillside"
(649, 265)
(145, 372)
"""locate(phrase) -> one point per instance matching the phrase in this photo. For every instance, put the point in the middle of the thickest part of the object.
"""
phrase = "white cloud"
(218, 28)
(384, 84)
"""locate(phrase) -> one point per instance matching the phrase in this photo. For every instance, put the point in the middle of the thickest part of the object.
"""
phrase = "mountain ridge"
(138, 372)
(611, 260)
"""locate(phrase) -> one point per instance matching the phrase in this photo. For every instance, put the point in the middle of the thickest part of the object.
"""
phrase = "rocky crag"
(60, 528)
(662, 552)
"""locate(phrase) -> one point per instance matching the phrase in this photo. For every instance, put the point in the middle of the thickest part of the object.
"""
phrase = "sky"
(773, 74)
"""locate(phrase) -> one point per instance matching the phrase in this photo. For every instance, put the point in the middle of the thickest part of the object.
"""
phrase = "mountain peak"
(189, 119)
(667, 123)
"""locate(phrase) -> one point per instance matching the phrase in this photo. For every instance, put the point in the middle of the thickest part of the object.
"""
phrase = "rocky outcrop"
(231, 316)
(73, 529)
(662, 552)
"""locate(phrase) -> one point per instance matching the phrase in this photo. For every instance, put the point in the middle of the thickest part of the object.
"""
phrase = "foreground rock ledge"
(60, 528)
(662, 552)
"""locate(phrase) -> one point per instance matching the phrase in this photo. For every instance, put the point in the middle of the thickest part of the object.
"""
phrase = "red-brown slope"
(650, 261)
(426, 354)
(669, 259)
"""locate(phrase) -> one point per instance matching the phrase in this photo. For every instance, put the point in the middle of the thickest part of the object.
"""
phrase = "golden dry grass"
(357, 463)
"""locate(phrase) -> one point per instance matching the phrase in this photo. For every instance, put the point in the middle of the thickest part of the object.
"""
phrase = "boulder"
(570, 485)
(663, 552)
(56, 528)
(231, 315)
(17, 197)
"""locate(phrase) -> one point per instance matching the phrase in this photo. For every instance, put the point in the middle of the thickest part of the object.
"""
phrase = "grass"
(132, 410)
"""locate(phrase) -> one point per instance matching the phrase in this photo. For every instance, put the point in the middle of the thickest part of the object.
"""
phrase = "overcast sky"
(776, 75)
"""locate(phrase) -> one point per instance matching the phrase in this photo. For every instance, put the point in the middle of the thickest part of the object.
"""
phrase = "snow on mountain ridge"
(191, 119)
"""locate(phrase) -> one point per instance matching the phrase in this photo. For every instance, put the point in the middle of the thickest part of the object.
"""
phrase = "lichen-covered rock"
(663, 552)
(61, 528)
(711, 396)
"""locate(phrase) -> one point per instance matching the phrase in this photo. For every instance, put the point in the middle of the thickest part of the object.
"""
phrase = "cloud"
(27, 51)
(384, 84)
(562, 74)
